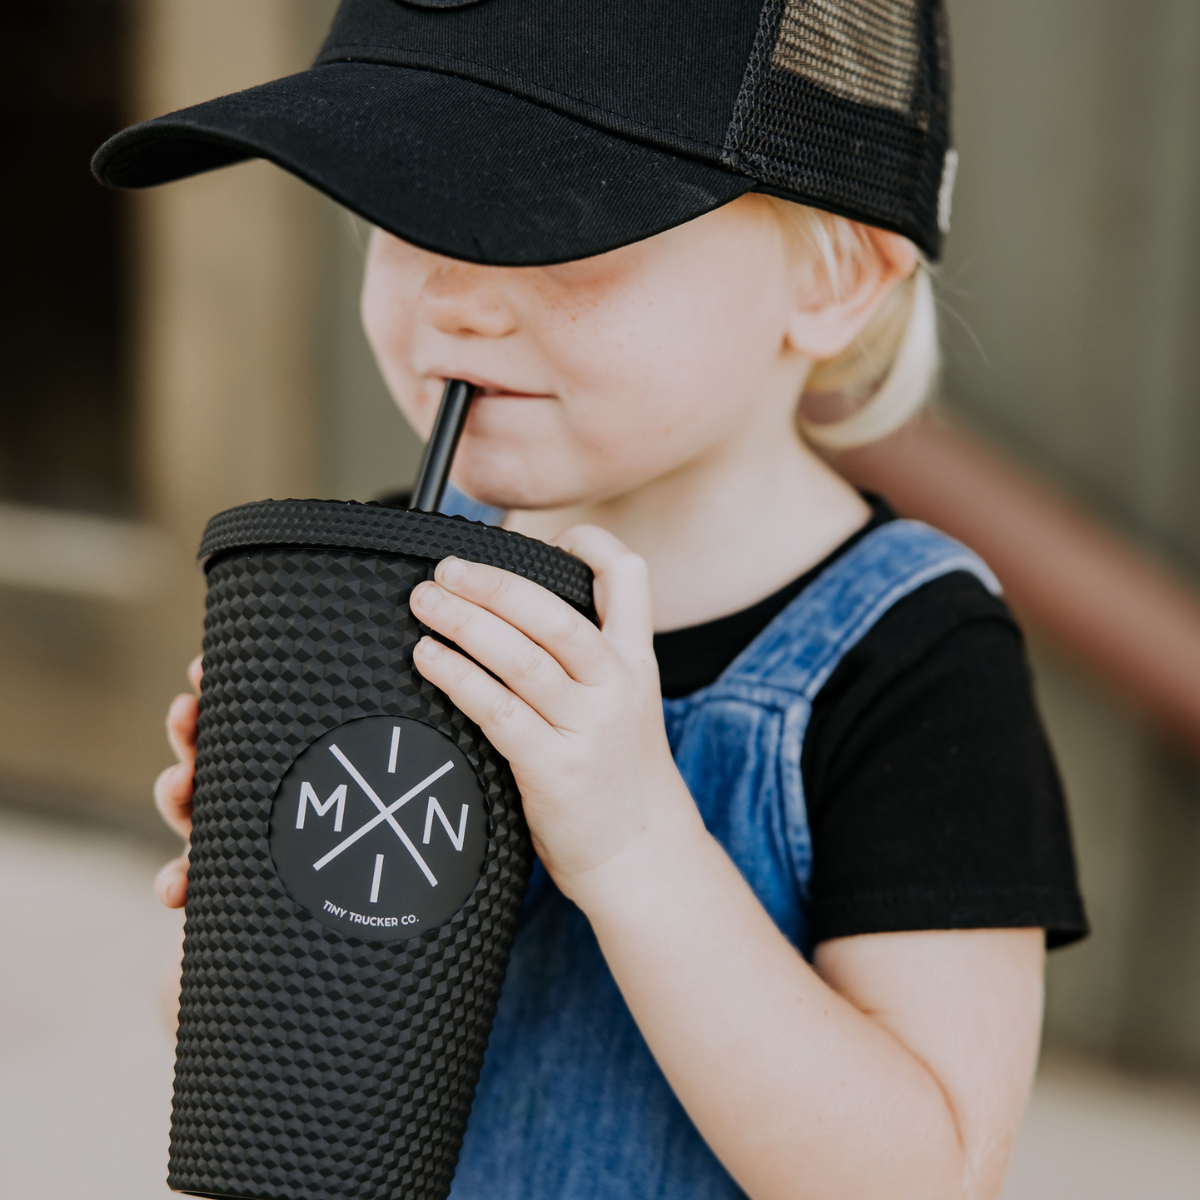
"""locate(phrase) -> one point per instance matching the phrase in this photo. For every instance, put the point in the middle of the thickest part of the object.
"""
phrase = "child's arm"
(899, 1067)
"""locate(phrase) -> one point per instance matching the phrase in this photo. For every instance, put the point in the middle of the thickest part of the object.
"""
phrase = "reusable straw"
(443, 442)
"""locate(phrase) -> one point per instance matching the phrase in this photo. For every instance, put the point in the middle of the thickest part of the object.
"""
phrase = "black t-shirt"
(932, 795)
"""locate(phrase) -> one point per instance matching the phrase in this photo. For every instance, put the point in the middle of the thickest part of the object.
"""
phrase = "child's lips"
(508, 394)
(487, 389)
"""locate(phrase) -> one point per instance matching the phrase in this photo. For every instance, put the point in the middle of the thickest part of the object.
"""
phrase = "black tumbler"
(359, 859)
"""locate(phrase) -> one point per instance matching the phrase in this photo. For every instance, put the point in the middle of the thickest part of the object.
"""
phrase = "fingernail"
(427, 596)
(429, 648)
(451, 570)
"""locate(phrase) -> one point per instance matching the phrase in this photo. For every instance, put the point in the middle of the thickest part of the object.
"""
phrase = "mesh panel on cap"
(864, 52)
(844, 105)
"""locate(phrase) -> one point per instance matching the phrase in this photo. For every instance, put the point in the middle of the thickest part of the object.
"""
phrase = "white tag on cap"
(946, 191)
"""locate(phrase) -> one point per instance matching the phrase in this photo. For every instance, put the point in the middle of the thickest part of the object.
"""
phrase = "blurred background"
(168, 355)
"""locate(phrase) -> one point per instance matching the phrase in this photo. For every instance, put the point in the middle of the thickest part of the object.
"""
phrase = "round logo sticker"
(379, 829)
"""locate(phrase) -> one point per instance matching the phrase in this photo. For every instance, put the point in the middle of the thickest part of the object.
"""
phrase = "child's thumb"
(622, 586)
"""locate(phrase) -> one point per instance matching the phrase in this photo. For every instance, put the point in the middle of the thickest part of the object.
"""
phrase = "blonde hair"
(886, 375)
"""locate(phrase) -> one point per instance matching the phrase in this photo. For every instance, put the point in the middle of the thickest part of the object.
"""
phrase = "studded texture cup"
(359, 858)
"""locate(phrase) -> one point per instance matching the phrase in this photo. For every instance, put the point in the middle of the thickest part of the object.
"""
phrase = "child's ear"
(830, 313)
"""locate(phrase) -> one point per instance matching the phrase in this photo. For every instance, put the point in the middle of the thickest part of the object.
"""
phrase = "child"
(801, 841)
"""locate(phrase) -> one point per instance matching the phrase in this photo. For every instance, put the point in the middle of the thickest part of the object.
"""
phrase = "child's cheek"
(602, 336)
(391, 342)
(388, 316)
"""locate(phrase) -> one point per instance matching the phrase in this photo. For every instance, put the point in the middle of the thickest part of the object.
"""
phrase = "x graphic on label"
(385, 814)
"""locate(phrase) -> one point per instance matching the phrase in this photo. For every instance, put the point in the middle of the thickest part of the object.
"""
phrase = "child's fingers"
(181, 726)
(539, 614)
(170, 886)
(173, 798)
(622, 586)
(195, 671)
(505, 651)
(509, 723)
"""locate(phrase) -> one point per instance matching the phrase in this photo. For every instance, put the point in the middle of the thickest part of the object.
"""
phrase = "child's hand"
(578, 713)
(173, 788)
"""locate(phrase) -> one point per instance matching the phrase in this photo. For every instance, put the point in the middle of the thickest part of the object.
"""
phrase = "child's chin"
(529, 494)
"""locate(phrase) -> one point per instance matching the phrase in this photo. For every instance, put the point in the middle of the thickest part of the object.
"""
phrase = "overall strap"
(801, 647)
(459, 504)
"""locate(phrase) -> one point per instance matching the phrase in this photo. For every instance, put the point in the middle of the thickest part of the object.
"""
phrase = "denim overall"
(571, 1105)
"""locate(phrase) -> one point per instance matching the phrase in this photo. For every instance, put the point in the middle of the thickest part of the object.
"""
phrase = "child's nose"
(460, 298)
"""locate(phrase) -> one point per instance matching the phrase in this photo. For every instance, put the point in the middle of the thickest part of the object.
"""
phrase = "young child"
(800, 839)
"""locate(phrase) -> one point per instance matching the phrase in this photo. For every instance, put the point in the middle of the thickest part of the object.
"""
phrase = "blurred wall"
(249, 378)
(1071, 300)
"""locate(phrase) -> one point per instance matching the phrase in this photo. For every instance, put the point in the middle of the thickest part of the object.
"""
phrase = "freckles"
(571, 304)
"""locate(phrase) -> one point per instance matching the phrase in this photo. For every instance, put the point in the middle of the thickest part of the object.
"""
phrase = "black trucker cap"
(524, 132)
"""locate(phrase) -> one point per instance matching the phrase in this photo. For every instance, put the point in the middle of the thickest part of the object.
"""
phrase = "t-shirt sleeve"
(933, 798)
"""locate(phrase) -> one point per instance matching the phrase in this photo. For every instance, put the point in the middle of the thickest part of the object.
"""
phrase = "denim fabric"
(459, 504)
(571, 1105)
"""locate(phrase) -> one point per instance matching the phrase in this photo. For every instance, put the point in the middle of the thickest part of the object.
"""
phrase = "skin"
(637, 409)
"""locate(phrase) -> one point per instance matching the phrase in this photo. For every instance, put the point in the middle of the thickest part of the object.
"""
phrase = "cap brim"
(447, 164)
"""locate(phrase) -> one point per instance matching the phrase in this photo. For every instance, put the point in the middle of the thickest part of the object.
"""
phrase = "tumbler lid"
(349, 525)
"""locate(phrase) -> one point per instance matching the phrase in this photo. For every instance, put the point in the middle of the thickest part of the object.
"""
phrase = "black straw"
(443, 441)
